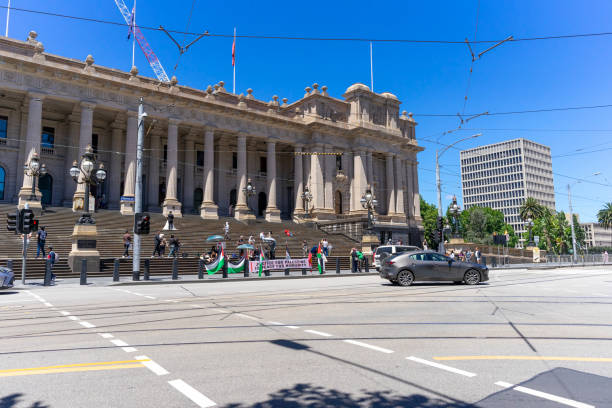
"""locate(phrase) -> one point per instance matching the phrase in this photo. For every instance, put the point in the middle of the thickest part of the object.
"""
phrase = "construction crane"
(144, 45)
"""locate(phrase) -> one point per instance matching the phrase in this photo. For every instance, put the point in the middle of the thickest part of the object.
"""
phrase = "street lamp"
(34, 169)
(455, 211)
(249, 191)
(529, 225)
(85, 168)
(307, 198)
(439, 154)
(369, 202)
(569, 199)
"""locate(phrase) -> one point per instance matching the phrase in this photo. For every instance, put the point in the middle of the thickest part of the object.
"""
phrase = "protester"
(52, 257)
(41, 237)
(127, 241)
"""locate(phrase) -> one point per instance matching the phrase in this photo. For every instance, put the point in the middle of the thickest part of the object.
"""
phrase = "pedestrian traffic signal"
(142, 223)
(26, 221)
(439, 230)
(12, 221)
(34, 225)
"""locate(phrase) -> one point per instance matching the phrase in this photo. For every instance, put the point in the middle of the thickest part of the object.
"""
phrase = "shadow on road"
(312, 396)
(12, 400)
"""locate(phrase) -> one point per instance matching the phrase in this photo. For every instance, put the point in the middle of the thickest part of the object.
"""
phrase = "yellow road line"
(537, 358)
(70, 370)
(102, 363)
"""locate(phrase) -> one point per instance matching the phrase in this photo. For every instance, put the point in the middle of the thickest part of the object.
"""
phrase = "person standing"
(41, 238)
(157, 241)
(478, 255)
(127, 241)
(354, 260)
(325, 245)
(605, 256)
(226, 230)
(304, 249)
(174, 246)
(52, 257)
(425, 246)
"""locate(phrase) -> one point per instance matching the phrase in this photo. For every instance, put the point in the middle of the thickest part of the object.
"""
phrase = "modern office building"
(596, 235)
(502, 175)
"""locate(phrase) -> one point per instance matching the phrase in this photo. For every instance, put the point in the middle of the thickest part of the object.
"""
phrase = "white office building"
(502, 175)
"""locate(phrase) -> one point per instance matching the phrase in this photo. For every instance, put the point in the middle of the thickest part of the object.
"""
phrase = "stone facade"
(201, 147)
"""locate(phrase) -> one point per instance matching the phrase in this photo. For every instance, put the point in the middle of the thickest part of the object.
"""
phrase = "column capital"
(36, 95)
(87, 105)
(390, 154)
(174, 121)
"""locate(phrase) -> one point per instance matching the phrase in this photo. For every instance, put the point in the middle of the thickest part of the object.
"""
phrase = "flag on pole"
(131, 27)
(234, 50)
(261, 260)
(321, 259)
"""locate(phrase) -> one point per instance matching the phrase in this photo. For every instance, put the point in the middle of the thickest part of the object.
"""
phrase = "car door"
(444, 269)
(424, 268)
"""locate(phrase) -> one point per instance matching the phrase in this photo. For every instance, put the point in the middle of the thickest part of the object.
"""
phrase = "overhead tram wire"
(285, 37)
(520, 112)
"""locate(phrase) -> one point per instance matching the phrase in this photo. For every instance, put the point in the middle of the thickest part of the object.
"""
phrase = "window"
(417, 257)
(338, 162)
(263, 164)
(438, 258)
(48, 137)
(199, 158)
(2, 179)
(94, 143)
(3, 126)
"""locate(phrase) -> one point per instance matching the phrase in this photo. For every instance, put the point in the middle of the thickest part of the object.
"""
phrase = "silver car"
(6, 278)
(404, 269)
(385, 251)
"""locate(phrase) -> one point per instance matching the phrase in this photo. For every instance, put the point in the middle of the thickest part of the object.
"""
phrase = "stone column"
(298, 181)
(188, 171)
(370, 170)
(209, 209)
(390, 185)
(241, 212)
(70, 155)
(399, 187)
(153, 173)
(409, 191)
(129, 182)
(171, 202)
(272, 211)
(316, 181)
(415, 192)
(359, 181)
(330, 174)
(85, 131)
(32, 145)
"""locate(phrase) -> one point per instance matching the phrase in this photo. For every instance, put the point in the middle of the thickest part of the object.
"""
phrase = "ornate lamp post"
(455, 211)
(369, 202)
(34, 169)
(307, 198)
(249, 191)
(85, 168)
(529, 225)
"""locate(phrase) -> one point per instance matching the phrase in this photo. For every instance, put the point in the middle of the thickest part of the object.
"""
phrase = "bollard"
(303, 271)
(47, 280)
(224, 268)
(367, 264)
(337, 264)
(201, 269)
(147, 269)
(267, 272)
(116, 270)
(174, 268)
(84, 272)
(246, 267)
(287, 272)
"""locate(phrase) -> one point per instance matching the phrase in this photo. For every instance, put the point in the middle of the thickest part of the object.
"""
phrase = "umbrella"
(245, 246)
(215, 238)
(269, 239)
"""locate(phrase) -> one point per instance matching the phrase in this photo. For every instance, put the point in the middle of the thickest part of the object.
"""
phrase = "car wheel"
(472, 277)
(405, 278)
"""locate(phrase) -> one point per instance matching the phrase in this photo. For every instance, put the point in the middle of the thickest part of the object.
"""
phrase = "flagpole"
(371, 69)
(8, 13)
(134, 33)
(234, 63)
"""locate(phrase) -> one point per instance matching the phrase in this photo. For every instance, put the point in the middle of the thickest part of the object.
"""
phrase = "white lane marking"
(551, 397)
(87, 324)
(106, 335)
(65, 313)
(276, 323)
(246, 316)
(149, 297)
(221, 311)
(196, 306)
(119, 343)
(441, 366)
(366, 345)
(152, 365)
(175, 301)
(194, 395)
(129, 349)
(73, 318)
(292, 327)
(319, 333)
(137, 294)
(504, 384)
(48, 304)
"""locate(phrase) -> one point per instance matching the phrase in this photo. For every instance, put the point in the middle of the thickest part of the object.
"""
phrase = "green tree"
(479, 223)
(531, 209)
(604, 216)
(429, 213)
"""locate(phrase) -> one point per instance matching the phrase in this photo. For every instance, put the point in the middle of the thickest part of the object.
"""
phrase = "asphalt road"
(524, 339)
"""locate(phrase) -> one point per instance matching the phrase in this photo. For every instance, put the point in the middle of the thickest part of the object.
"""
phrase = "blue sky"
(427, 78)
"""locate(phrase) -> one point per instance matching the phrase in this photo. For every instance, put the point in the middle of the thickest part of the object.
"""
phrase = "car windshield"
(383, 251)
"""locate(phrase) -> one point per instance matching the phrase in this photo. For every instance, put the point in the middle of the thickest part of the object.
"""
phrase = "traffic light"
(12, 221)
(440, 225)
(142, 223)
(34, 225)
(26, 221)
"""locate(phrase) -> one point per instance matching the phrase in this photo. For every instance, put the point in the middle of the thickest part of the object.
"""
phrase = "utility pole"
(569, 198)
(138, 190)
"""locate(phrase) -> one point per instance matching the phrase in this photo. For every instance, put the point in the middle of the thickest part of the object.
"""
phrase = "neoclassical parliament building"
(202, 147)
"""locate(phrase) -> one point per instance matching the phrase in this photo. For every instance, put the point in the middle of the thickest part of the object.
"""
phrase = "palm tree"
(604, 216)
(531, 209)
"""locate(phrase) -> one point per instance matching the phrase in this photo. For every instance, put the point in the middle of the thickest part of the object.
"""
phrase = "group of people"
(160, 243)
(466, 256)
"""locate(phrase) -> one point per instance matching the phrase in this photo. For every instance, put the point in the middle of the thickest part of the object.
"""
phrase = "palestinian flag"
(321, 259)
(261, 261)
(235, 268)
(216, 266)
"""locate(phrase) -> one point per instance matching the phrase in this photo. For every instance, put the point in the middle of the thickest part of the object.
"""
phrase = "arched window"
(2, 182)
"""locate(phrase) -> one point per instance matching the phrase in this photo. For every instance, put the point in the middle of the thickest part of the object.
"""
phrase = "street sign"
(536, 239)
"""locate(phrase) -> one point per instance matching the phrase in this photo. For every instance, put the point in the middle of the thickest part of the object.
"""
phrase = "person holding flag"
(321, 259)
(261, 260)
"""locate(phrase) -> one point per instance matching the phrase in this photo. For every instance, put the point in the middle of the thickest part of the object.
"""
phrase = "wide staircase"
(192, 232)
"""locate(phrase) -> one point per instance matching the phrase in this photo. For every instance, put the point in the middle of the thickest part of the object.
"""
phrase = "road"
(524, 339)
